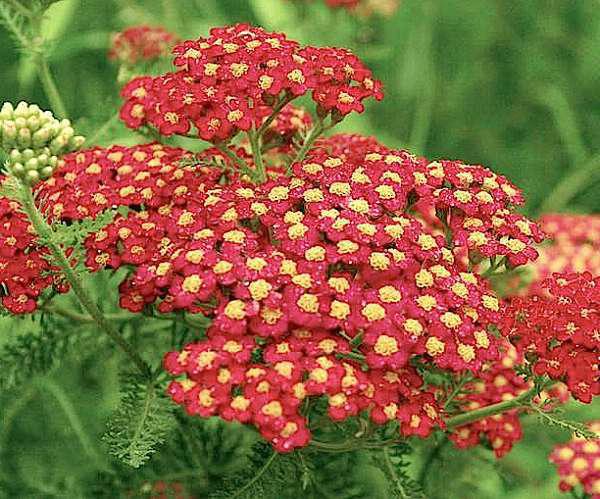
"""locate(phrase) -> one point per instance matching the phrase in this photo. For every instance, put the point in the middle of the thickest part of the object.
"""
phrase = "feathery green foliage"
(141, 423)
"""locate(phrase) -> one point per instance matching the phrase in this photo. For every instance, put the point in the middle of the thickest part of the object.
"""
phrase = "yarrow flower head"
(140, 44)
(573, 245)
(578, 463)
(231, 80)
(559, 332)
(364, 8)
(34, 140)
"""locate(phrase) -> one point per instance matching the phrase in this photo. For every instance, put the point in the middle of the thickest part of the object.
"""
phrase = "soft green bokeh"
(512, 84)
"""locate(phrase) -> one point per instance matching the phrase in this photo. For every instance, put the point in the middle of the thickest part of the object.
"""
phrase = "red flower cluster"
(578, 463)
(334, 265)
(24, 270)
(231, 80)
(287, 129)
(365, 8)
(307, 279)
(141, 43)
(559, 331)
(574, 247)
(498, 382)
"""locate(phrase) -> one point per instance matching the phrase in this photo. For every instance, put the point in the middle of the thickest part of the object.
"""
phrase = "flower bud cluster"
(34, 140)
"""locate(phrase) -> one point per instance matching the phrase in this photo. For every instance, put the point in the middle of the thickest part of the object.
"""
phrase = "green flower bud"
(22, 110)
(43, 159)
(28, 154)
(32, 164)
(24, 138)
(76, 142)
(32, 176)
(15, 156)
(33, 123)
(46, 172)
(20, 122)
(9, 134)
(6, 111)
(17, 169)
(40, 138)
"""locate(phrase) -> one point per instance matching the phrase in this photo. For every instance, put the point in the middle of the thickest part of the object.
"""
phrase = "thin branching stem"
(310, 139)
(520, 401)
(243, 166)
(255, 144)
(45, 231)
(259, 473)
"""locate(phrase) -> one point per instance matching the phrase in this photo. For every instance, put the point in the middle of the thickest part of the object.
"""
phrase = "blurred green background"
(511, 84)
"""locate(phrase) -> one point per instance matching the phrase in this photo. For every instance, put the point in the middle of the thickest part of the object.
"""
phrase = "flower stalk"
(45, 231)
(493, 409)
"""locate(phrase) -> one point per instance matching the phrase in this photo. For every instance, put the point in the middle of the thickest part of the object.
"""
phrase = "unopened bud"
(35, 140)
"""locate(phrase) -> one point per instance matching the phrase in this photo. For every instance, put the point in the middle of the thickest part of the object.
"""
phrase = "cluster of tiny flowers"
(478, 208)
(141, 43)
(231, 80)
(559, 331)
(34, 140)
(573, 246)
(498, 382)
(365, 8)
(578, 463)
(351, 273)
(24, 270)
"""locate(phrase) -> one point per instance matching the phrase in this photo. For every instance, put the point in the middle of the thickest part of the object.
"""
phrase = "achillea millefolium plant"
(319, 300)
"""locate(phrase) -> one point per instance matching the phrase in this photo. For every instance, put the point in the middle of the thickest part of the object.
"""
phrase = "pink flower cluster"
(578, 463)
(141, 43)
(573, 246)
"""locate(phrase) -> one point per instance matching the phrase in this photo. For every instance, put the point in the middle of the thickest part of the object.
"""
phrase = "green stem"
(85, 318)
(572, 183)
(67, 407)
(352, 355)
(457, 389)
(255, 140)
(276, 110)
(243, 166)
(259, 473)
(50, 87)
(392, 473)
(491, 410)
(46, 232)
(313, 135)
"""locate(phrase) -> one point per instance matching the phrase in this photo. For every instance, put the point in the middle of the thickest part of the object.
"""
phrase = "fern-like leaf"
(33, 353)
(552, 419)
(392, 461)
(141, 423)
(270, 475)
